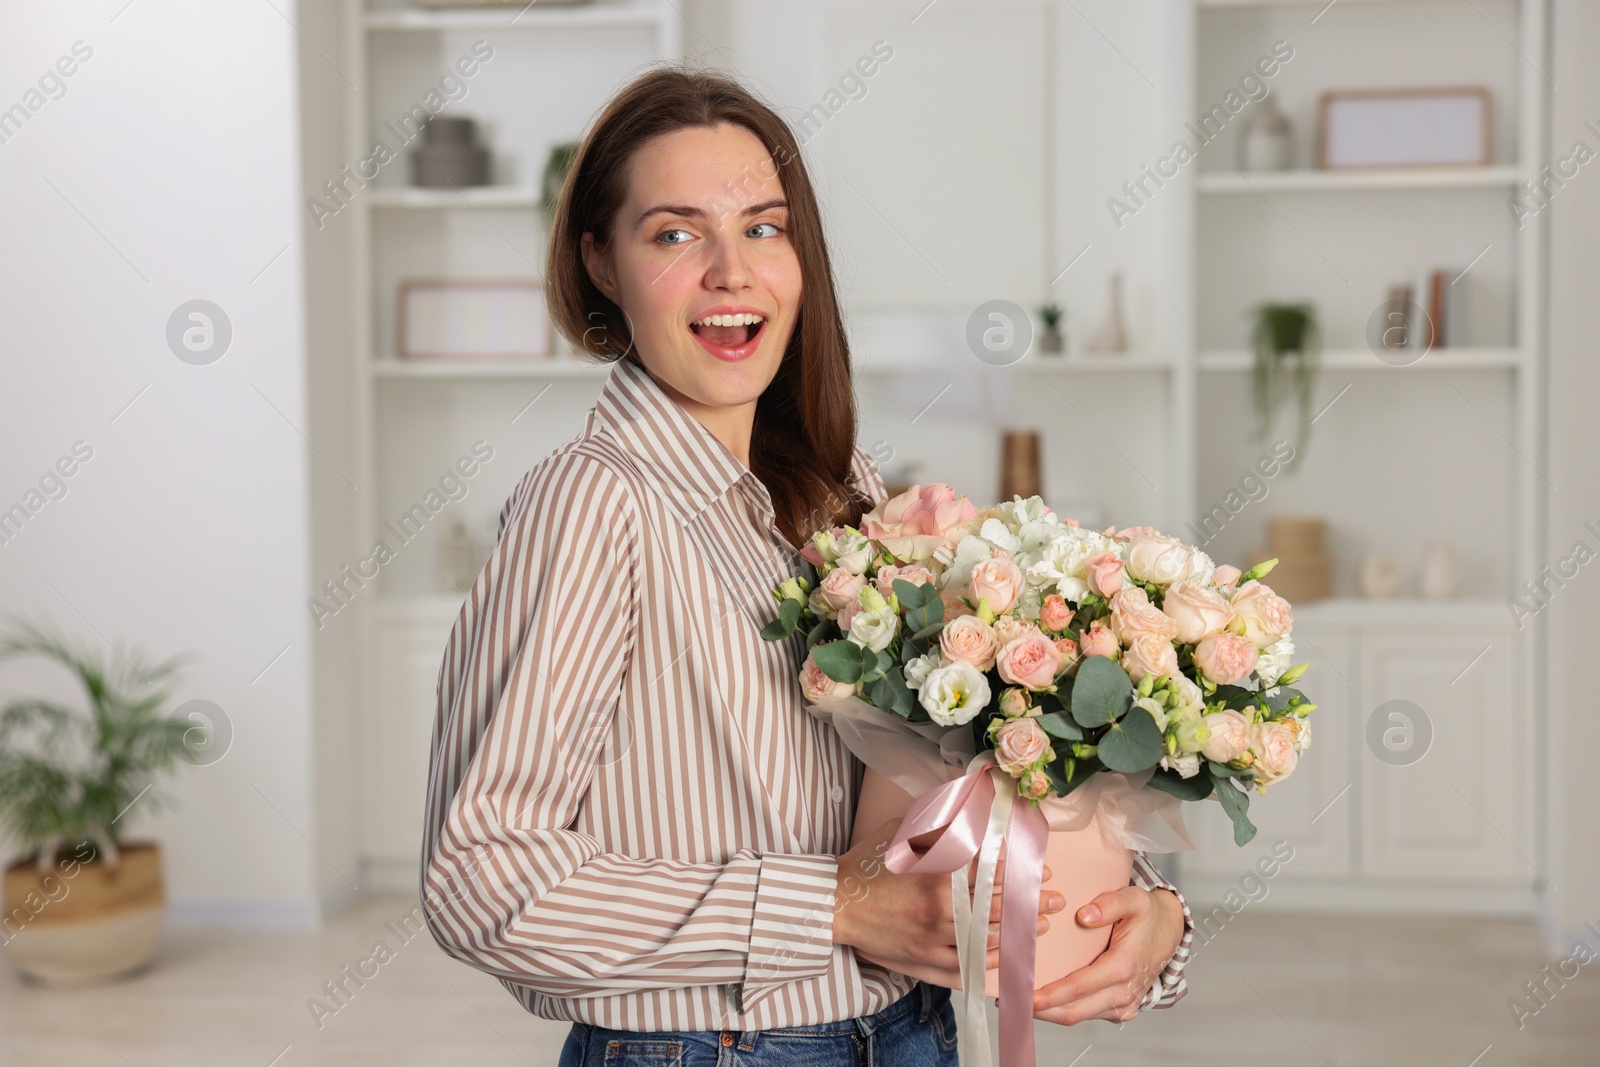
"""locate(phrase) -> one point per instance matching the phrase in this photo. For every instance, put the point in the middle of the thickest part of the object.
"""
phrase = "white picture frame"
(1443, 126)
(473, 319)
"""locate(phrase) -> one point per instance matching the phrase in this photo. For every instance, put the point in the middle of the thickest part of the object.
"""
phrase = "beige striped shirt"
(632, 821)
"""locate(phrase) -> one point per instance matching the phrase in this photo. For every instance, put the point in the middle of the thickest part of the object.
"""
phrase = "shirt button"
(836, 793)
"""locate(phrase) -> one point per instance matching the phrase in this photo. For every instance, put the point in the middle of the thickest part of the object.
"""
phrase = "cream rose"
(1225, 658)
(1150, 654)
(1230, 736)
(1018, 745)
(1158, 559)
(912, 574)
(998, 581)
(1010, 627)
(840, 588)
(1266, 615)
(953, 606)
(1196, 611)
(1276, 756)
(1031, 660)
(1132, 615)
(969, 640)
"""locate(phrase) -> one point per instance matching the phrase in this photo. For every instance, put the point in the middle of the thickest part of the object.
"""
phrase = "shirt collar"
(689, 464)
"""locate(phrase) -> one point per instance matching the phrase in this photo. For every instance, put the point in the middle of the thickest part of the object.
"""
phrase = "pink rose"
(1068, 649)
(969, 640)
(918, 521)
(1054, 614)
(1031, 660)
(1015, 703)
(1132, 615)
(1225, 658)
(1104, 573)
(1266, 615)
(811, 553)
(997, 580)
(1150, 654)
(1276, 756)
(1158, 559)
(954, 608)
(840, 588)
(1010, 627)
(1227, 574)
(1196, 611)
(915, 575)
(816, 685)
(1018, 745)
(1098, 640)
(1230, 735)
(1034, 785)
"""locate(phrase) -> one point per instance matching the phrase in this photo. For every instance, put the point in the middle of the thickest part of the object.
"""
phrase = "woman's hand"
(1147, 925)
(906, 922)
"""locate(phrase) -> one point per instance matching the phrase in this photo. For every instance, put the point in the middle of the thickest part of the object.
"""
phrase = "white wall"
(1574, 443)
(167, 172)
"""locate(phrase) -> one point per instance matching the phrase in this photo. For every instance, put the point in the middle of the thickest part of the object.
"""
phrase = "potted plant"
(83, 904)
(556, 166)
(1051, 340)
(1287, 347)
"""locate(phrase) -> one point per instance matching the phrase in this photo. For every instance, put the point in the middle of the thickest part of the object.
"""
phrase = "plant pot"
(84, 922)
(1083, 864)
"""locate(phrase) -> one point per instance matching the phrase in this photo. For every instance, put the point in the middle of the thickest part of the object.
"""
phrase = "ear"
(597, 262)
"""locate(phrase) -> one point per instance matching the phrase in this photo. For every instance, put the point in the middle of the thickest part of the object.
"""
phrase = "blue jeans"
(918, 1030)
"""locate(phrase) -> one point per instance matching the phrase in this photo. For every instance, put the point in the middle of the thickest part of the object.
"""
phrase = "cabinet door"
(1444, 775)
(407, 652)
(1311, 809)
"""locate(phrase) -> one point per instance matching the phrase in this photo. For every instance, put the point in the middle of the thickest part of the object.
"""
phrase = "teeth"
(744, 319)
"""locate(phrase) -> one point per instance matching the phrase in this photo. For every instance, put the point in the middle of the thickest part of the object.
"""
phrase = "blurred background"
(1311, 280)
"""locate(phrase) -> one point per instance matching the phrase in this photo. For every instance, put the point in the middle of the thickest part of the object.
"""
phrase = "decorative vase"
(1083, 864)
(1019, 464)
(1381, 578)
(449, 156)
(1051, 342)
(1441, 575)
(1305, 567)
(1112, 335)
(85, 922)
(1264, 141)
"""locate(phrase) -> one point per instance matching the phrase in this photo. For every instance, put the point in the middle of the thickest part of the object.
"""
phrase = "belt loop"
(925, 994)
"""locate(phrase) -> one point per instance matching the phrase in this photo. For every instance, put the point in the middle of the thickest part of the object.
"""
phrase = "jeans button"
(727, 1038)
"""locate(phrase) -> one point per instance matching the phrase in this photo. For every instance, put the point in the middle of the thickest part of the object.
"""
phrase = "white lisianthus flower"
(955, 693)
(918, 668)
(1186, 766)
(874, 628)
(1274, 660)
(1157, 712)
(853, 552)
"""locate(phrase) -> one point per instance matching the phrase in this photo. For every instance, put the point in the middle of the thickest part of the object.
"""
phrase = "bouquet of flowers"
(1113, 666)
(1068, 651)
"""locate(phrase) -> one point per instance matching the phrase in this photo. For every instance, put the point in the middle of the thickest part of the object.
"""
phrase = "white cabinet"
(1417, 791)
(407, 640)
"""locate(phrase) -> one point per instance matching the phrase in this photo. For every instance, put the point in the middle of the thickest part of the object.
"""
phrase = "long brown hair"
(805, 424)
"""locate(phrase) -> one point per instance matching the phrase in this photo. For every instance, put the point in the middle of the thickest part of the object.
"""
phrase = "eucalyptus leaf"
(1133, 743)
(1236, 802)
(840, 660)
(1058, 725)
(1195, 787)
(1101, 692)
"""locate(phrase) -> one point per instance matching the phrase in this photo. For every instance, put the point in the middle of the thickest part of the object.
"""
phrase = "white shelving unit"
(549, 71)
(1439, 447)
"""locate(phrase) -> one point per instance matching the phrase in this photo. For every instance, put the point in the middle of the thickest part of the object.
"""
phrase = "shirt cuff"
(1171, 984)
(791, 935)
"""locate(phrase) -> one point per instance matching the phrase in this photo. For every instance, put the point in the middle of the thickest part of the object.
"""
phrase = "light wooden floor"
(1271, 989)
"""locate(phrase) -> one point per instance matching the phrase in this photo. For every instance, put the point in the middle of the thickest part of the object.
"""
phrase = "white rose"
(1159, 559)
(854, 552)
(1186, 766)
(876, 628)
(1274, 660)
(916, 671)
(954, 694)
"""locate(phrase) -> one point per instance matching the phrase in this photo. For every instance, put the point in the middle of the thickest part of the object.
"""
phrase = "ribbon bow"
(977, 812)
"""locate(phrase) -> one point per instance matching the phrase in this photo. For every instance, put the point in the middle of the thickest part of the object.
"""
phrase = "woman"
(632, 821)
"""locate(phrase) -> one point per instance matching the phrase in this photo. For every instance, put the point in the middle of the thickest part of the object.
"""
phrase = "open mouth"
(729, 337)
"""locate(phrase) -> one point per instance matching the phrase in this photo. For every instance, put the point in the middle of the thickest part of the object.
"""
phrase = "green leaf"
(923, 609)
(819, 631)
(1236, 697)
(1101, 692)
(1236, 802)
(1131, 744)
(841, 660)
(1222, 770)
(784, 625)
(928, 631)
(1196, 787)
(1059, 725)
(1278, 701)
(891, 693)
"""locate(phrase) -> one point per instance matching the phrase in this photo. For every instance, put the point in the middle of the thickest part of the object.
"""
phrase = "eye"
(774, 227)
(661, 238)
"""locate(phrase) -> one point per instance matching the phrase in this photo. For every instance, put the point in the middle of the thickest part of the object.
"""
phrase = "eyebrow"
(688, 212)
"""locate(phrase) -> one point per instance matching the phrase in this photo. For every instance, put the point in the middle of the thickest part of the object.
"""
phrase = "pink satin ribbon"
(961, 809)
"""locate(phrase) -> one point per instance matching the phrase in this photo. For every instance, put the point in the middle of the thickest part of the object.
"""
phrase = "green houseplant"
(1051, 340)
(556, 166)
(83, 903)
(1287, 344)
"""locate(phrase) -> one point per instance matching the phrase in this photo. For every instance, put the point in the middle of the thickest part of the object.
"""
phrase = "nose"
(726, 266)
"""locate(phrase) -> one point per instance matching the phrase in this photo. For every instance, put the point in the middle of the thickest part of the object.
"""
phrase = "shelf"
(1094, 363)
(1335, 181)
(558, 367)
(1359, 610)
(501, 196)
(514, 18)
(1362, 359)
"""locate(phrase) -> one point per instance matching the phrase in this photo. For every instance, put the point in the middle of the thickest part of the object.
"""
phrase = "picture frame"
(1425, 126)
(473, 319)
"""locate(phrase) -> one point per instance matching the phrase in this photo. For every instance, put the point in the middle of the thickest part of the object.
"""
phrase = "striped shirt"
(631, 819)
